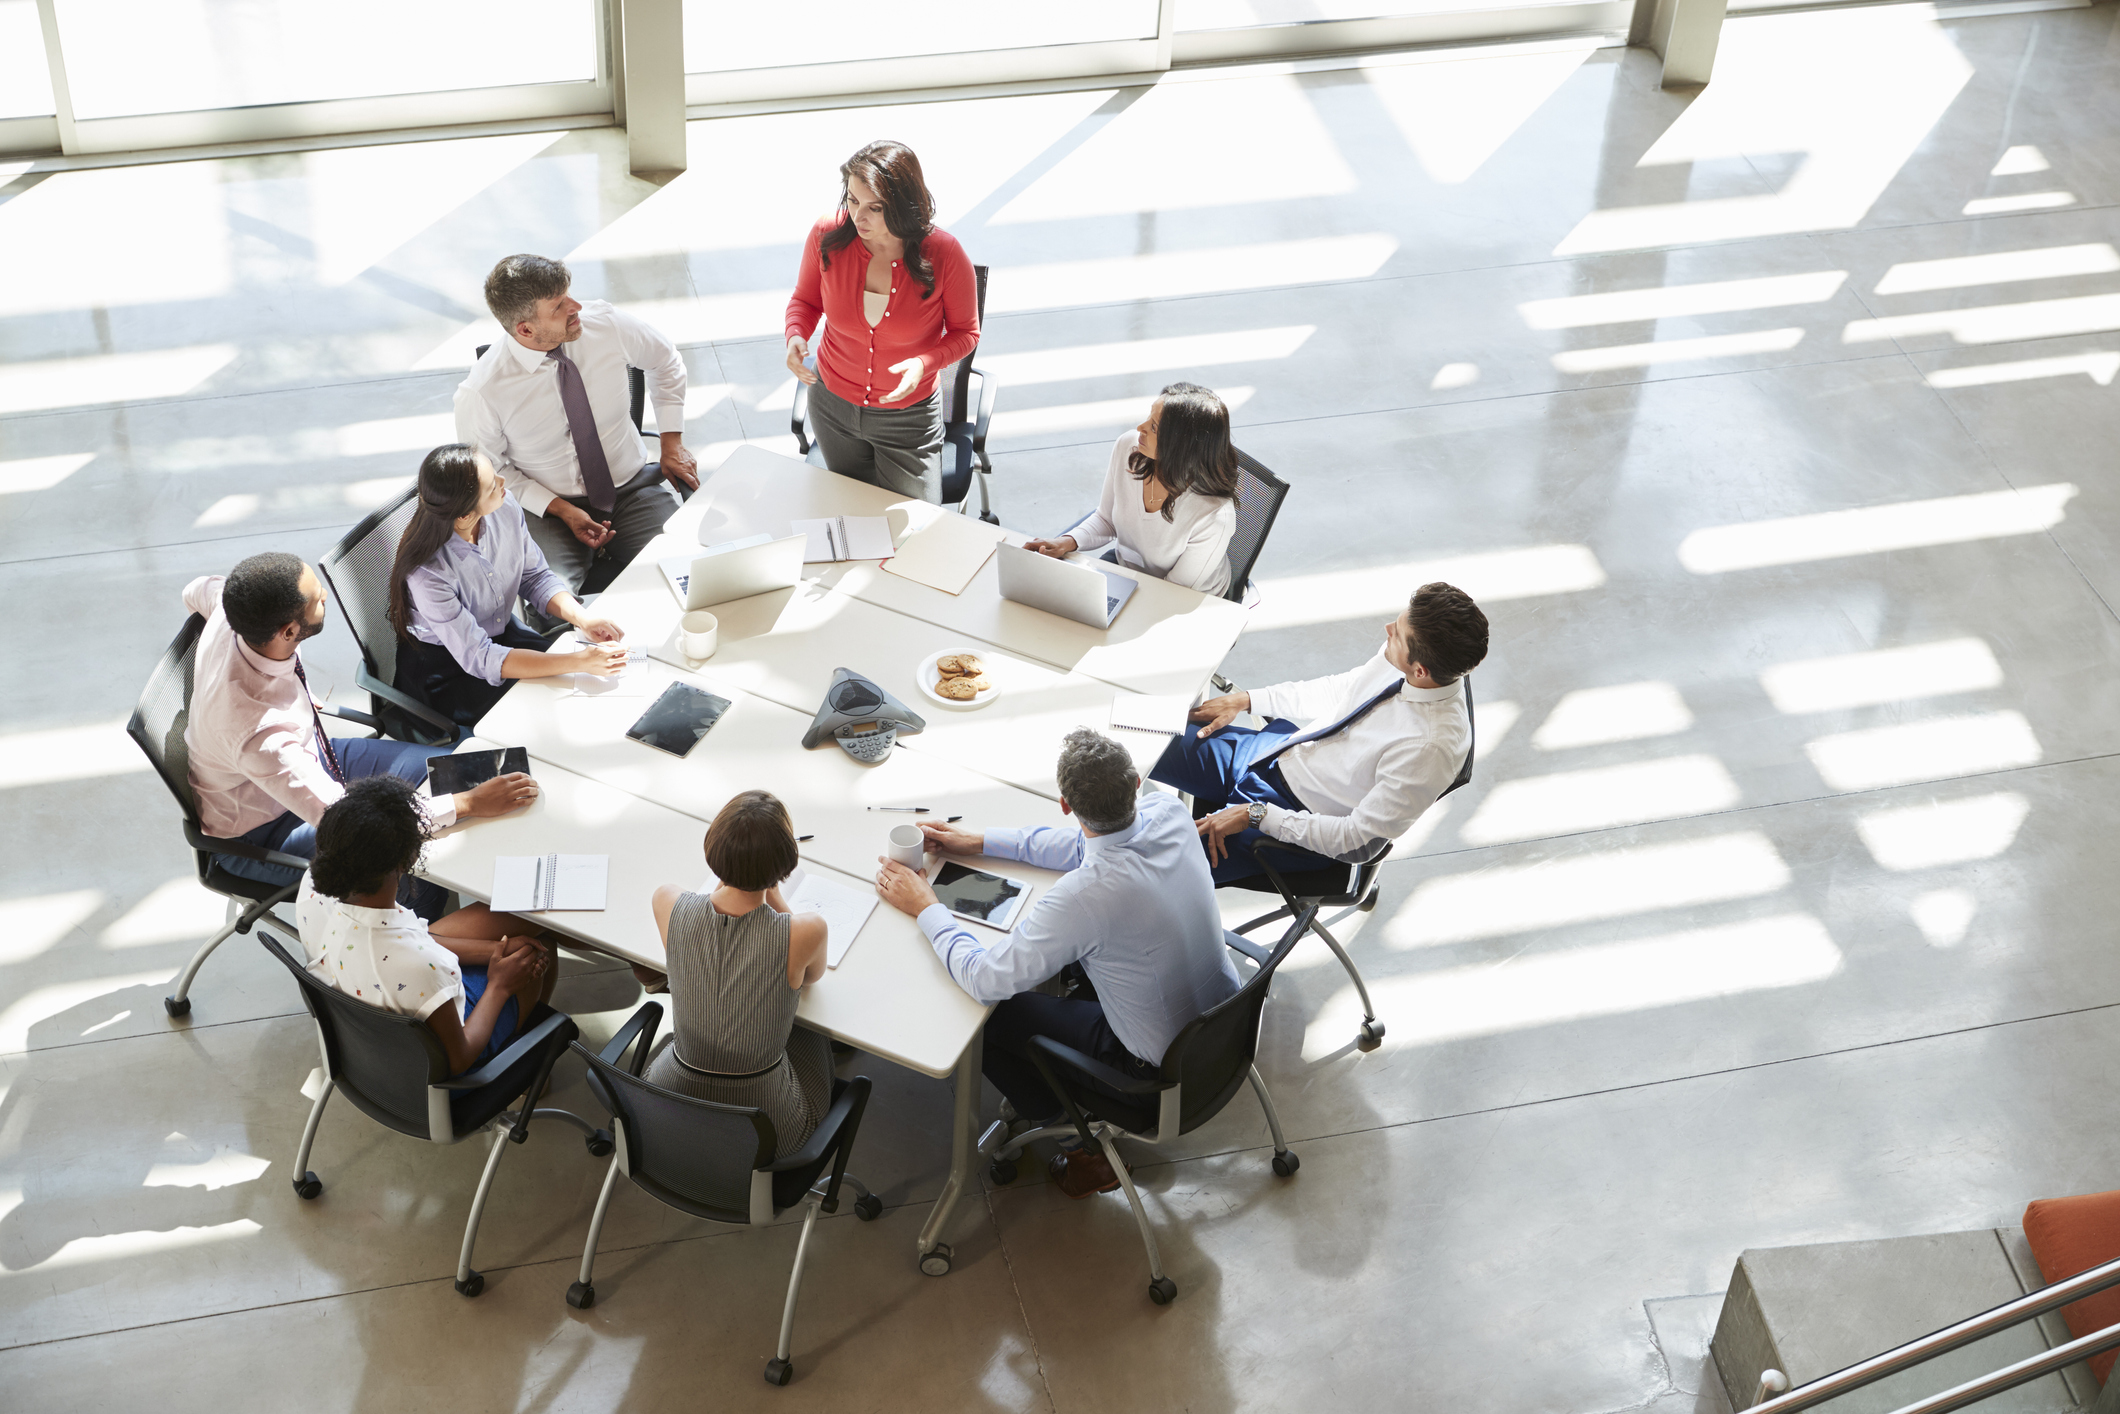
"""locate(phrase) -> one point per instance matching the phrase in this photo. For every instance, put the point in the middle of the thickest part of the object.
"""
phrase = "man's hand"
(599, 630)
(586, 528)
(901, 888)
(943, 839)
(678, 463)
(496, 797)
(1216, 829)
(797, 352)
(604, 660)
(1059, 549)
(912, 368)
(1219, 712)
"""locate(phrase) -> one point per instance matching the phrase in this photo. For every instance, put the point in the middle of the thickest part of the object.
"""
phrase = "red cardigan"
(853, 358)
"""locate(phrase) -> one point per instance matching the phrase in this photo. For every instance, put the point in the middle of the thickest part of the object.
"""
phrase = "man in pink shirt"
(262, 769)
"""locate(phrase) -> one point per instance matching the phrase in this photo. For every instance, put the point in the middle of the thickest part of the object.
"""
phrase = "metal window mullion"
(62, 95)
(1166, 32)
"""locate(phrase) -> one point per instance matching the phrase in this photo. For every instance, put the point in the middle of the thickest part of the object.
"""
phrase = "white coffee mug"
(908, 846)
(701, 633)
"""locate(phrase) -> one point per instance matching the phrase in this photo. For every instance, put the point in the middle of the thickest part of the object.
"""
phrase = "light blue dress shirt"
(1135, 908)
(461, 599)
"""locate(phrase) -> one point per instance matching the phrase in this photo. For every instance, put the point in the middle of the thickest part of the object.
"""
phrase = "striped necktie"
(331, 757)
(581, 426)
(1305, 738)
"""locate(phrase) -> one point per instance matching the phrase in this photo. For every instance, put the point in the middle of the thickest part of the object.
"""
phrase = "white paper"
(844, 538)
(1151, 712)
(946, 552)
(546, 883)
(846, 910)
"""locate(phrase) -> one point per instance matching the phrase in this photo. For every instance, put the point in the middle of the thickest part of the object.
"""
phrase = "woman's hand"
(1059, 549)
(603, 660)
(517, 969)
(498, 796)
(913, 369)
(798, 350)
(600, 630)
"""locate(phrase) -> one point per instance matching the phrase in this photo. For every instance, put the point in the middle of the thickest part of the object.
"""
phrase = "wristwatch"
(1257, 811)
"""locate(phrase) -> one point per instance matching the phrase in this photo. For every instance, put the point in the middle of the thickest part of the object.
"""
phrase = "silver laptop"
(757, 565)
(1079, 592)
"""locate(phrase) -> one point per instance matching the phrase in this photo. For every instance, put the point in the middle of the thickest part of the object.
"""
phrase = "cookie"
(957, 689)
(978, 682)
(951, 665)
(968, 664)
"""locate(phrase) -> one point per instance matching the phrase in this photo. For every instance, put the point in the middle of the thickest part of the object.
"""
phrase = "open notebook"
(544, 883)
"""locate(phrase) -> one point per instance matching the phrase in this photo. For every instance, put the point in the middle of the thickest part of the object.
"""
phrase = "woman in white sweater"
(1170, 494)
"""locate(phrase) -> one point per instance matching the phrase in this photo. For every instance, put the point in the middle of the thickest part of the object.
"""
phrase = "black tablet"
(978, 896)
(679, 718)
(446, 775)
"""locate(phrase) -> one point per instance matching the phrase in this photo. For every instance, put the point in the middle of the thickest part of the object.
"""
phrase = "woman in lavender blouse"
(462, 563)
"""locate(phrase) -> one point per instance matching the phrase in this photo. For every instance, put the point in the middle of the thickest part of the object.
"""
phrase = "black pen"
(804, 839)
(953, 819)
(908, 809)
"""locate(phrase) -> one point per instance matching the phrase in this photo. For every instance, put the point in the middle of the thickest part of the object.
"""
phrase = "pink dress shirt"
(251, 735)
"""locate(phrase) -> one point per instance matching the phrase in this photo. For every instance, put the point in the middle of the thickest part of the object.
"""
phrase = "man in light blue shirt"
(1135, 912)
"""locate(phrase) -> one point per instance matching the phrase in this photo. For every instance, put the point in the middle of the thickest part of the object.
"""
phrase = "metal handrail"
(1972, 1328)
(2011, 1376)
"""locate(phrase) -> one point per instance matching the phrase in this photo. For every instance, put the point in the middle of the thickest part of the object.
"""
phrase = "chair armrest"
(988, 386)
(242, 849)
(521, 1048)
(369, 683)
(641, 1025)
(349, 714)
(827, 1132)
(798, 414)
(1237, 942)
(1093, 1069)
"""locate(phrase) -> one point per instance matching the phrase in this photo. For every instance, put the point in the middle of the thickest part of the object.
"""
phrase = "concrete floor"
(1778, 912)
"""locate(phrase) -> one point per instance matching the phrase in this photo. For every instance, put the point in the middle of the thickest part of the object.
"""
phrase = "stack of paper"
(542, 883)
(945, 553)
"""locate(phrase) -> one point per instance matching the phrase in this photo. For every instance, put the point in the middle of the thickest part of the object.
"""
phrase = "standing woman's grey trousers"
(895, 448)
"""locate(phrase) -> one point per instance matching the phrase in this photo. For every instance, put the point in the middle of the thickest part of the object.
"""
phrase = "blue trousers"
(290, 834)
(1217, 771)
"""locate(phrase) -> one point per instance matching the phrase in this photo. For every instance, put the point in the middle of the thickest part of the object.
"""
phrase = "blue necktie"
(1304, 738)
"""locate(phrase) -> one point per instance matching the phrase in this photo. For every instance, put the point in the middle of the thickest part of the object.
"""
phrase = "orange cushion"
(2071, 1235)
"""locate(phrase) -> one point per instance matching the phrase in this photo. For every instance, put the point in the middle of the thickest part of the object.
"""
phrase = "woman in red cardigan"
(899, 305)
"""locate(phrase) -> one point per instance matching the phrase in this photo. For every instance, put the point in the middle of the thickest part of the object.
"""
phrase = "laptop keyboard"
(1111, 605)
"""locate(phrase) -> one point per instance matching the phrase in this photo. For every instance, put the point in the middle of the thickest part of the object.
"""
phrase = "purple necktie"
(581, 425)
(331, 758)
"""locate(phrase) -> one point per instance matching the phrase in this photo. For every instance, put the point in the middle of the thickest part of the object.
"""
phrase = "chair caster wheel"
(177, 1006)
(581, 1296)
(1001, 1172)
(1163, 1291)
(471, 1285)
(1286, 1163)
(308, 1186)
(936, 1263)
(1371, 1037)
(600, 1143)
(868, 1207)
(778, 1371)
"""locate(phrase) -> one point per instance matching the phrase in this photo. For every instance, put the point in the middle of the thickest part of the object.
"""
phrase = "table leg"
(964, 1154)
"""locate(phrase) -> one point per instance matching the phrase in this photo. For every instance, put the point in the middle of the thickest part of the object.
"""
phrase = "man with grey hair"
(1134, 920)
(551, 406)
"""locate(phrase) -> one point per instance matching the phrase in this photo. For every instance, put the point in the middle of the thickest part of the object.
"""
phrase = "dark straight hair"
(893, 173)
(448, 491)
(751, 844)
(1192, 447)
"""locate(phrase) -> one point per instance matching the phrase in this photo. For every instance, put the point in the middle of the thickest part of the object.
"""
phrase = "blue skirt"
(503, 1027)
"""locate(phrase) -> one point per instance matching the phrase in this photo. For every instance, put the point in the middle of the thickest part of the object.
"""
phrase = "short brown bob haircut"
(751, 844)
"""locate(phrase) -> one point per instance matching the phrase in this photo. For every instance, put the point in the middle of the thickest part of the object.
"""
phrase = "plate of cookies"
(958, 679)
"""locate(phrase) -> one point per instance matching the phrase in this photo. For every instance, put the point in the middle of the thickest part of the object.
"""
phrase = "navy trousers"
(1217, 772)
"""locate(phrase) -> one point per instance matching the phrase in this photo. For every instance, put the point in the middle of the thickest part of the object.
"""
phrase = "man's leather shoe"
(1081, 1172)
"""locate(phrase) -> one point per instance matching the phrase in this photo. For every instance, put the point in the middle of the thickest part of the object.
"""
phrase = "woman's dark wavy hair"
(1192, 447)
(893, 173)
(448, 491)
(372, 831)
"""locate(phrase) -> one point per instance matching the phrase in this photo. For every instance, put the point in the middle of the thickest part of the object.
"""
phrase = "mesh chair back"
(380, 1060)
(1212, 1056)
(1259, 497)
(157, 722)
(1472, 741)
(358, 571)
(694, 1155)
(956, 381)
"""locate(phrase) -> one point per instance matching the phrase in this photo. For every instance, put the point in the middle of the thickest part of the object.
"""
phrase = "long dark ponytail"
(1193, 452)
(893, 173)
(448, 491)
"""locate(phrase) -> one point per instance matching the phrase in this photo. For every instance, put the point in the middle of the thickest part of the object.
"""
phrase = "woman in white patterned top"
(472, 976)
(1170, 495)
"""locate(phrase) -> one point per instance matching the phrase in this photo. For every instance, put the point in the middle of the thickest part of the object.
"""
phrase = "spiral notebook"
(543, 883)
(1150, 712)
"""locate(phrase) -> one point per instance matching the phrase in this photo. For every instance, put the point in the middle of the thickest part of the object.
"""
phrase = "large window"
(25, 75)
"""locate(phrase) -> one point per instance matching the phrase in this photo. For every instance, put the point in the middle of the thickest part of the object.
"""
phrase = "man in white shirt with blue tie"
(551, 406)
(1385, 742)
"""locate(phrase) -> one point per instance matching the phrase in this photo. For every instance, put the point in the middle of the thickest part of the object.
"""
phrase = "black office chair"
(636, 381)
(716, 1161)
(1350, 887)
(157, 725)
(1202, 1071)
(966, 418)
(395, 1071)
(1259, 497)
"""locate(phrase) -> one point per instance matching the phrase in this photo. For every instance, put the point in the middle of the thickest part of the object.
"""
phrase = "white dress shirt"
(252, 734)
(1366, 785)
(1136, 908)
(509, 407)
(1191, 548)
(382, 956)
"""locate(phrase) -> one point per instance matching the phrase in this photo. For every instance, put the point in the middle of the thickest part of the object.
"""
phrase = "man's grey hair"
(519, 282)
(1097, 781)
